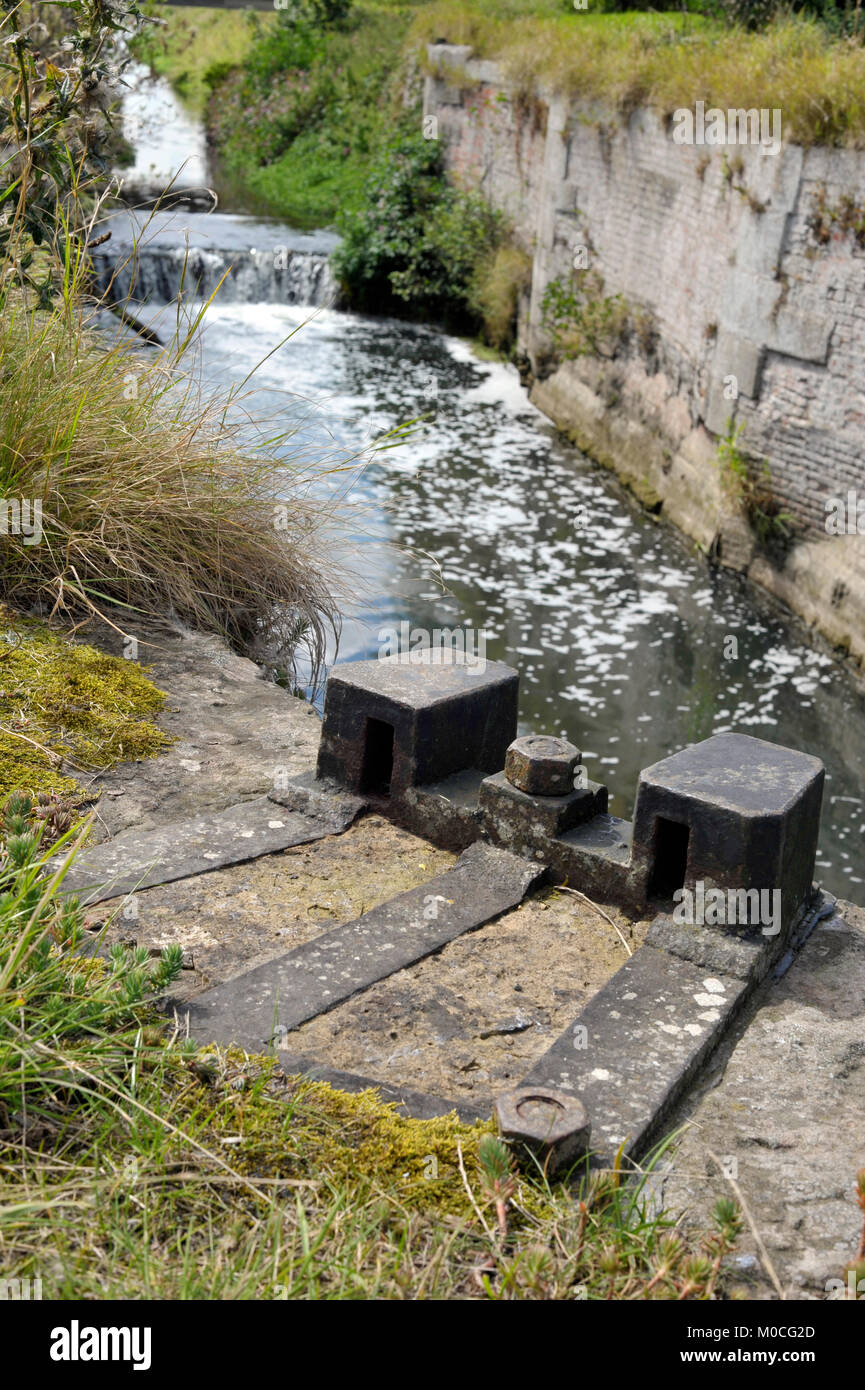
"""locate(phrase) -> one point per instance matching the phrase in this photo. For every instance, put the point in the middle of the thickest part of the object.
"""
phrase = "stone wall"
(712, 251)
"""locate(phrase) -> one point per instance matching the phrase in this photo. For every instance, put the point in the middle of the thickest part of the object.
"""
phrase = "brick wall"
(732, 290)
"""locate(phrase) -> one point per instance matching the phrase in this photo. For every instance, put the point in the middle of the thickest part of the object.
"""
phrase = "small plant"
(848, 215)
(581, 319)
(750, 481)
(497, 1175)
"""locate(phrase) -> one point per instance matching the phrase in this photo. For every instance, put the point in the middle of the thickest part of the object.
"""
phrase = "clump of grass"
(120, 483)
(135, 1165)
(149, 498)
(749, 481)
(499, 281)
(67, 708)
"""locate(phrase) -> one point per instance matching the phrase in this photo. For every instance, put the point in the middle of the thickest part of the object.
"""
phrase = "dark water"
(626, 639)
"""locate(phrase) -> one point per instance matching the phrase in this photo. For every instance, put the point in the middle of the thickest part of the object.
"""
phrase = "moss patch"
(66, 707)
(357, 1142)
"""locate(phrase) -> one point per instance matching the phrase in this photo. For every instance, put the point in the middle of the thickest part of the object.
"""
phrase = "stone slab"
(736, 356)
(638, 1043)
(134, 860)
(782, 1109)
(265, 1004)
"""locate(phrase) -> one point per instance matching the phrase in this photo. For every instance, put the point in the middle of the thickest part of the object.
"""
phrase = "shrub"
(418, 246)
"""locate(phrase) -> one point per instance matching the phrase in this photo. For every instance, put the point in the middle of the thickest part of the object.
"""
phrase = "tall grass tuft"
(148, 497)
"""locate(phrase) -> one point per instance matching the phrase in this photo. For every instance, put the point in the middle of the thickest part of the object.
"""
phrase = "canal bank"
(707, 342)
(225, 904)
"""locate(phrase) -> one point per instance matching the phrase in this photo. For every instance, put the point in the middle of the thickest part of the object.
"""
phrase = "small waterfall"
(157, 274)
(150, 259)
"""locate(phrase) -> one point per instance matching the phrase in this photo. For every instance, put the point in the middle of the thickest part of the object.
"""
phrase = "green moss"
(66, 707)
(356, 1143)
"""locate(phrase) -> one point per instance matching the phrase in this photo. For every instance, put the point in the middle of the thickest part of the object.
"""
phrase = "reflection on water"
(626, 640)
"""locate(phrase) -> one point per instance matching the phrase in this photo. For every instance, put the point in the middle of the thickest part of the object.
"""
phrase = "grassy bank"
(315, 118)
(667, 61)
(298, 123)
(135, 1165)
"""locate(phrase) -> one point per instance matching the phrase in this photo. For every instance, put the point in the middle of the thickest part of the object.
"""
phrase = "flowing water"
(627, 641)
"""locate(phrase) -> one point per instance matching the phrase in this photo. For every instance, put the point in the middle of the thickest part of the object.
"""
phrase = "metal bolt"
(541, 765)
(551, 1124)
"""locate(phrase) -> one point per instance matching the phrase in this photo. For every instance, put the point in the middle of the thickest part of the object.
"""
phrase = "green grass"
(667, 61)
(192, 40)
(298, 141)
(136, 1166)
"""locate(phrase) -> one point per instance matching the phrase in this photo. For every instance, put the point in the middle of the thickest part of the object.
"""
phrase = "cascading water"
(152, 256)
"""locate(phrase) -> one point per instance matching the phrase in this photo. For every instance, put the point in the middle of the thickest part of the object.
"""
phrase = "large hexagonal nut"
(541, 765)
(552, 1125)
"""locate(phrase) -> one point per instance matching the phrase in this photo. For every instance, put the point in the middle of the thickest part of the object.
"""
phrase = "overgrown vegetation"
(55, 134)
(581, 319)
(148, 497)
(119, 481)
(419, 246)
(135, 1165)
(298, 124)
(796, 63)
(844, 218)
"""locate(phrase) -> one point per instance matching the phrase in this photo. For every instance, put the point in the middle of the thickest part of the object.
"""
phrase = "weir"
(152, 258)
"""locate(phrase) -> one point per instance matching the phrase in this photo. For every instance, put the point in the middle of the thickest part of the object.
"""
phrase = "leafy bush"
(418, 246)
